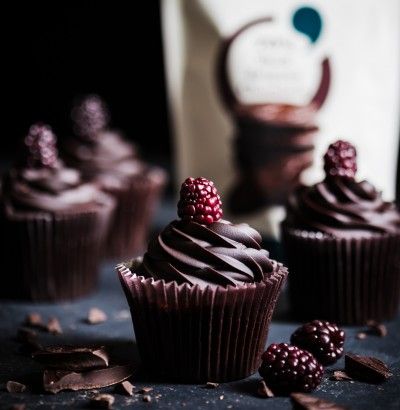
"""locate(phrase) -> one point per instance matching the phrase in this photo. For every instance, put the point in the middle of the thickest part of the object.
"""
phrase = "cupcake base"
(53, 257)
(347, 281)
(189, 334)
(132, 218)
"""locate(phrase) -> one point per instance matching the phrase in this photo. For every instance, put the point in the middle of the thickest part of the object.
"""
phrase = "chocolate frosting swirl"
(342, 207)
(108, 159)
(218, 254)
(48, 189)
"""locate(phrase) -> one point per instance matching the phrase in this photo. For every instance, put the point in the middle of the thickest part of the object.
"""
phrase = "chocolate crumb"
(96, 316)
(145, 390)
(147, 398)
(366, 368)
(340, 375)
(377, 328)
(126, 387)
(221, 397)
(15, 387)
(303, 401)
(18, 406)
(53, 326)
(34, 319)
(211, 385)
(104, 401)
(263, 390)
(361, 335)
(28, 337)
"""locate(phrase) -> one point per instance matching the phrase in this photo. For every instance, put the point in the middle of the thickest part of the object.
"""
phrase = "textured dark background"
(53, 51)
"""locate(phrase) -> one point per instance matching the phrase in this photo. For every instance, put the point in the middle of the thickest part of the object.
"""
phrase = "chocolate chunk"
(145, 390)
(96, 316)
(147, 398)
(361, 335)
(76, 358)
(126, 387)
(211, 385)
(18, 406)
(339, 375)
(15, 387)
(53, 326)
(34, 320)
(377, 328)
(264, 391)
(365, 368)
(58, 380)
(303, 401)
(104, 401)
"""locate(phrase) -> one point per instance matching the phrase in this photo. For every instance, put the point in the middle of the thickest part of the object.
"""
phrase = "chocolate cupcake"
(106, 159)
(53, 225)
(343, 246)
(203, 295)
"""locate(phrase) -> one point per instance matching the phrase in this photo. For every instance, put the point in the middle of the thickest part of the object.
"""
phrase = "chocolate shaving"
(126, 387)
(76, 358)
(366, 368)
(340, 375)
(53, 326)
(96, 316)
(211, 385)
(58, 380)
(147, 398)
(15, 387)
(377, 328)
(303, 401)
(264, 391)
(104, 401)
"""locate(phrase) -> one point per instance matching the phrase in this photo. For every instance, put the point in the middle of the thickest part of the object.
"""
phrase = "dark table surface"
(117, 334)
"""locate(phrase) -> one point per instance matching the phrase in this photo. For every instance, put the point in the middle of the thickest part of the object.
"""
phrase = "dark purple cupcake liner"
(53, 257)
(188, 334)
(135, 209)
(348, 281)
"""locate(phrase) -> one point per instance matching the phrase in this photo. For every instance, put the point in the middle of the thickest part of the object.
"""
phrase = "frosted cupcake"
(343, 246)
(203, 295)
(53, 225)
(108, 160)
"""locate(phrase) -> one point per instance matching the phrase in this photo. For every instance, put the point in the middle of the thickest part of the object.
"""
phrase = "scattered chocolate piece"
(145, 390)
(221, 397)
(104, 401)
(147, 398)
(76, 358)
(58, 380)
(303, 401)
(377, 328)
(28, 337)
(96, 316)
(18, 406)
(365, 368)
(53, 326)
(126, 387)
(264, 391)
(361, 335)
(34, 320)
(211, 385)
(15, 387)
(340, 375)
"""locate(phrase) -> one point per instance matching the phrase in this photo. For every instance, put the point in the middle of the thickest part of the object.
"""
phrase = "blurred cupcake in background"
(53, 225)
(342, 241)
(106, 158)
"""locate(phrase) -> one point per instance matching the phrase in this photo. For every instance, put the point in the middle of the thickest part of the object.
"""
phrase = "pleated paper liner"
(54, 257)
(348, 281)
(135, 209)
(188, 334)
